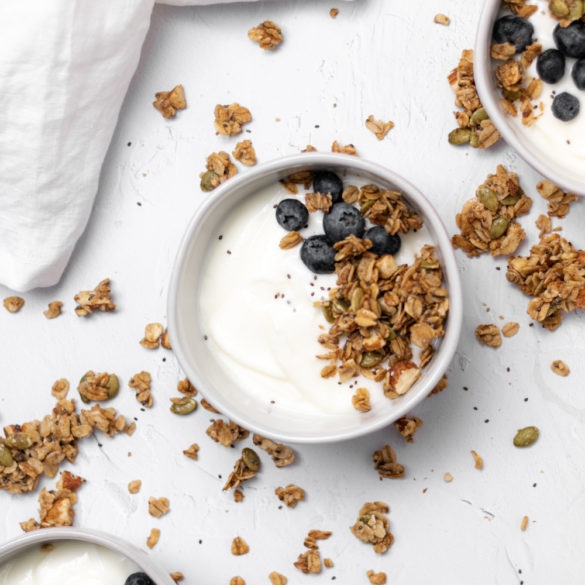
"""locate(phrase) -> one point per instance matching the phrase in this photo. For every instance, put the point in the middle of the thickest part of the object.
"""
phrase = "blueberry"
(342, 220)
(318, 255)
(571, 39)
(515, 30)
(550, 66)
(383, 242)
(565, 106)
(328, 182)
(291, 214)
(578, 73)
(139, 579)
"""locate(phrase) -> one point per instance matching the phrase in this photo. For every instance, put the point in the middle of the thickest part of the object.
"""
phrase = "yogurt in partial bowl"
(241, 310)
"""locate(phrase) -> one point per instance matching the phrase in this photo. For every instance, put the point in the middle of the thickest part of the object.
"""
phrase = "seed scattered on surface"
(459, 136)
(183, 405)
(251, 459)
(526, 436)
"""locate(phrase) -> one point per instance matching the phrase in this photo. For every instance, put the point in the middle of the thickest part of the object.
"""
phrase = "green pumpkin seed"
(371, 359)
(209, 181)
(526, 436)
(113, 385)
(365, 518)
(367, 206)
(559, 8)
(510, 200)
(474, 140)
(478, 117)
(498, 227)
(356, 300)
(20, 441)
(512, 96)
(488, 198)
(183, 405)
(341, 305)
(6, 459)
(391, 335)
(251, 459)
(328, 314)
(459, 136)
(429, 265)
(576, 10)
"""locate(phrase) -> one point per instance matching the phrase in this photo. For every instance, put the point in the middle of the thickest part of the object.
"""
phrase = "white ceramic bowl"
(198, 361)
(568, 176)
(23, 543)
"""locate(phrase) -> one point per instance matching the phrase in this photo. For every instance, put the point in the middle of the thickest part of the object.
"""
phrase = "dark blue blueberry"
(383, 242)
(139, 579)
(565, 106)
(318, 255)
(342, 220)
(291, 214)
(515, 30)
(327, 182)
(550, 66)
(571, 39)
(578, 73)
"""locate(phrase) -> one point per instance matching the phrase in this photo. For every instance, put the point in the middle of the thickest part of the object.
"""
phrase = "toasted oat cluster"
(13, 304)
(245, 153)
(54, 310)
(141, 383)
(558, 201)
(281, 454)
(239, 475)
(386, 465)
(152, 335)
(220, 168)
(98, 299)
(290, 495)
(267, 34)
(554, 275)
(378, 127)
(522, 8)
(361, 400)
(442, 19)
(407, 426)
(347, 149)
(226, 433)
(310, 561)
(488, 221)
(168, 102)
(229, 118)
(373, 527)
(318, 202)
(488, 335)
(158, 507)
(98, 387)
(475, 127)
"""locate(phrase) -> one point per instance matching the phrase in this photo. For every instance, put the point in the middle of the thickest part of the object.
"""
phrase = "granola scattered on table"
(239, 546)
(230, 118)
(407, 426)
(281, 454)
(290, 495)
(226, 433)
(153, 538)
(99, 299)
(220, 168)
(267, 34)
(98, 387)
(510, 329)
(560, 368)
(558, 201)
(168, 102)
(386, 465)
(245, 153)
(488, 335)
(54, 310)
(141, 383)
(158, 507)
(376, 578)
(378, 127)
(13, 304)
(152, 334)
(347, 149)
(373, 527)
(441, 19)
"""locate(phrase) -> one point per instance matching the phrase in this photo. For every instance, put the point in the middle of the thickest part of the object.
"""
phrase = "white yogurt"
(257, 309)
(69, 563)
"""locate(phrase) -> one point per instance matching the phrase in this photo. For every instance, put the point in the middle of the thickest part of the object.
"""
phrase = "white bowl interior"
(565, 174)
(198, 360)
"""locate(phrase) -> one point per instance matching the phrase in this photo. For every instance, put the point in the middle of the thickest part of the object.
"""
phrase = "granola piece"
(158, 507)
(315, 535)
(226, 434)
(177, 576)
(373, 527)
(560, 368)
(400, 378)
(290, 240)
(277, 578)
(239, 475)
(219, 169)
(152, 335)
(543, 223)
(134, 486)
(407, 426)
(98, 387)
(168, 102)
(229, 120)
(60, 389)
(99, 299)
(524, 523)
(441, 19)
(347, 149)
(333, 13)
(165, 340)
(328, 563)
(521, 8)
(192, 451)
(281, 454)
(447, 477)
(386, 465)
(290, 495)
(239, 546)
(309, 562)
(376, 578)
(478, 460)
(558, 201)
(13, 304)
(237, 581)
(105, 420)
(318, 202)
(510, 329)
(361, 400)
(141, 383)
(207, 406)
(54, 310)
(153, 538)
(378, 127)
(267, 34)
(488, 335)
(185, 387)
(503, 51)
(245, 153)
(441, 385)
(238, 496)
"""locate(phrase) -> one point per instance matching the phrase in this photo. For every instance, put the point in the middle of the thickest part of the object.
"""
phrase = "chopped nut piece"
(309, 562)
(99, 299)
(447, 477)
(177, 576)
(488, 335)
(558, 201)
(239, 475)
(54, 310)
(185, 387)
(165, 340)
(237, 581)
(281, 454)
(158, 507)
(290, 495)
(439, 19)
(152, 335)
(373, 526)
(401, 376)
(333, 12)
(208, 406)
(318, 202)
(524, 523)
(277, 578)
(560, 367)
(407, 426)
(229, 120)
(379, 128)
(361, 400)
(245, 153)
(168, 102)
(226, 434)
(141, 383)
(13, 304)
(192, 452)
(134, 486)
(238, 496)
(315, 535)
(60, 389)
(478, 460)
(347, 149)
(510, 329)
(267, 34)
(239, 546)
(153, 537)
(386, 465)
(377, 578)
(219, 169)
(290, 240)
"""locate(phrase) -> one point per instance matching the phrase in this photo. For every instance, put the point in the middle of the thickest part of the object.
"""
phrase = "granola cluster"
(281, 454)
(488, 335)
(378, 127)
(229, 118)
(407, 426)
(226, 433)
(373, 527)
(386, 465)
(521, 8)
(558, 201)
(99, 299)
(310, 560)
(488, 221)
(554, 275)
(245, 153)
(168, 102)
(343, 149)
(475, 127)
(267, 34)
(220, 168)
(13, 304)
(290, 495)
(98, 387)
(141, 383)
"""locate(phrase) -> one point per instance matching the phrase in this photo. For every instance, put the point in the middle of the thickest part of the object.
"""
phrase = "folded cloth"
(65, 67)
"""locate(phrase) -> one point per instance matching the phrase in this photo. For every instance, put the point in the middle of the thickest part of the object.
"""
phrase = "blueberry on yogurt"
(550, 66)
(318, 255)
(578, 73)
(327, 182)
(571, 39)
(382, 241)
(565, 106)
(291, 214)
(139, 579)
(343, 220)
(515, 30)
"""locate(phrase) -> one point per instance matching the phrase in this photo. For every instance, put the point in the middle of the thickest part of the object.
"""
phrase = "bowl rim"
(46, 535)
(448, 344)
(484, 83)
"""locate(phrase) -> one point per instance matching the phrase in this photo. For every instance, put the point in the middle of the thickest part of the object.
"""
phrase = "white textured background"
(385, 58)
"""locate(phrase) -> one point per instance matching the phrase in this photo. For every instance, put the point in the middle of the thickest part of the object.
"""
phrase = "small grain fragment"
(152, 335)
(328, 563)
(134, 486)
(192, 452)
(158, 507)
(277, 578)
(378, 127)
(347, 149)
(447, 477)
(488, 335)
(361, 400)
(238, 496)
(153, 538)
(560, 368)
(237, 581)
(376, 578)
(333, 12)
(290, 240)
(267, 34)
(510, 329)
(290, 495)
(478, 460)
(239, 546)
(60, 389)
(407, 426)
(54, 310)
(13, 304)
(168, 102)
(524, 523)
(177, 576)
(442, 19)
(245, 153)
